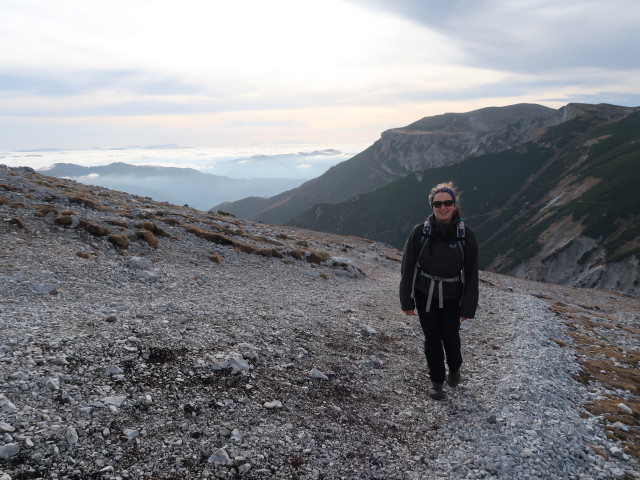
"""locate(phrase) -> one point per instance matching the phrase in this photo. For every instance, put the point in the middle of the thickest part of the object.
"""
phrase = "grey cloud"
(11, 83)
(535, 36)
(55, 83)
(223, 95)
(629, 99)
(520, 89)
(328, 152)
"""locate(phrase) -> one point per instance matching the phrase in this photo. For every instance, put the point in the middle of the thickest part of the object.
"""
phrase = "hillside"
(171, 184)
(430, 142)
(141, 339)
(562, 208)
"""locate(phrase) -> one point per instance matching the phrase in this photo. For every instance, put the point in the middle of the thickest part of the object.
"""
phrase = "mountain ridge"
(561, 212)
(402, 151)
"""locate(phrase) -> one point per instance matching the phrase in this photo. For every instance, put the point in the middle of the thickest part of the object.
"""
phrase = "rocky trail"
(146, 340)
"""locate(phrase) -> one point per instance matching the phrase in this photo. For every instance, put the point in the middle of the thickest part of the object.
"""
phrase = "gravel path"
(290, 359)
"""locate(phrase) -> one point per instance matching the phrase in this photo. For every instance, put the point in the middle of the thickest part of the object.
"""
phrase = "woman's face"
(443, 212)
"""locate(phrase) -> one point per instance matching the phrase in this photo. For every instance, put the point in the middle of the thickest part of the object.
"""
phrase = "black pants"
(441, 327)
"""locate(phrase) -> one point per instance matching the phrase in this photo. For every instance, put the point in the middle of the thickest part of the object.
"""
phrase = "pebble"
(116, 400)
(71, 435)
(131, 433)
(114, 370)
(315, 373)
(5, 427)
(220, 457)
(625, 408)
(8, 451)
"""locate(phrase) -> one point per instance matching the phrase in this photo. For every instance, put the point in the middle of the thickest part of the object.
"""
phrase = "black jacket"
(442, 257)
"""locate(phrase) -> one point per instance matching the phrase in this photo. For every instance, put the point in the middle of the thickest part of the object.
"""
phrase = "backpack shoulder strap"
(460, 233)
(426, 231)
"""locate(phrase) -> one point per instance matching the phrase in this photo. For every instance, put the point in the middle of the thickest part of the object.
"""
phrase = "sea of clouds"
(287, 161)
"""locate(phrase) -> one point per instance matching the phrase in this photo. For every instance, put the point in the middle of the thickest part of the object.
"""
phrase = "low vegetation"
(607, 364)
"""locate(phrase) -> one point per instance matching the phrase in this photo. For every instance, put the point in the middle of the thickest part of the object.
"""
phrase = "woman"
(440, 280)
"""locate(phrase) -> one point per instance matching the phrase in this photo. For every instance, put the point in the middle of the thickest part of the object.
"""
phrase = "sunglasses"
(446, 203)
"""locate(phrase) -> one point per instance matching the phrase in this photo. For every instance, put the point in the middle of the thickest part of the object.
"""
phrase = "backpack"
(426, 231)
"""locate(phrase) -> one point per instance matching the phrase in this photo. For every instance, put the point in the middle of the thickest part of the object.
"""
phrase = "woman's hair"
(450, 188)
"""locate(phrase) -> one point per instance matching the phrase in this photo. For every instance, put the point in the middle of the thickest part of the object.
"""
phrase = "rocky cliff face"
(567, 267)
(451, 138)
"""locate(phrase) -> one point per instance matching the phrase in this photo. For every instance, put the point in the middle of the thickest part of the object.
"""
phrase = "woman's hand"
(409, 312)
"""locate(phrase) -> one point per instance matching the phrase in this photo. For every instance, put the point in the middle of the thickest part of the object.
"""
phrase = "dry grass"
(315, 256)
(269, 252)
(63, 220)
(171, 221)
(44, 210)
(604, 362)
(118, 223)
(148, 237)
(221, 239)
(6, 201)
(94, 229)
(9, 188)
(297, 253)
(214, 237)
(310, 256)
(214, 257)
(87, 202)
(153, 228)
(262, 239)
(610, 409)
(119, 240)
(18, 223)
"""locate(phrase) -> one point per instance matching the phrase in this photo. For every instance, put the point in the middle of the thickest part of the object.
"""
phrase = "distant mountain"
(430, 142)
(562, 208)
(171, 184)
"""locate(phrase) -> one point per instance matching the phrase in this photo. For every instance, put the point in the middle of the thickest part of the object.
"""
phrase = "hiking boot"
(453, 379)
(436, 391)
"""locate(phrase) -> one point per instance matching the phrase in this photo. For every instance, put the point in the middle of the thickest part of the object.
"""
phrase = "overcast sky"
(110, 73)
